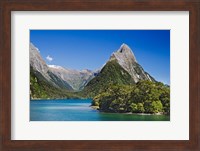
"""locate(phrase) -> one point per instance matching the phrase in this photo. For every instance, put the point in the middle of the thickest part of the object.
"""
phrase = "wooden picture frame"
(193, 6)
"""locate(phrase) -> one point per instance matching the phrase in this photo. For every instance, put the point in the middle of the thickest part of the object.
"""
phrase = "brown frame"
(193, 6)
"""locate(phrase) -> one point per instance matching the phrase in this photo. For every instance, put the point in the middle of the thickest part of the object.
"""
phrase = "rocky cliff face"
(36, 61)
(126, 59)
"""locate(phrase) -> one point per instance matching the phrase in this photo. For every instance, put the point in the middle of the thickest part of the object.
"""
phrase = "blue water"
(80, 110)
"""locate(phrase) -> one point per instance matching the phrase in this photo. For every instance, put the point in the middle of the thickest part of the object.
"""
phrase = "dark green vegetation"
(143, 97)
(40, 88)
(111, 74)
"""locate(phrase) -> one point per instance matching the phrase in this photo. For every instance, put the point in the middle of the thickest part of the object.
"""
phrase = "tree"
(140, 108)
(165, 99)
(134, 108)
(156, 107)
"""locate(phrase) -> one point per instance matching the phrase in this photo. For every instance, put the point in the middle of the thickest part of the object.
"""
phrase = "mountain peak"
(126, 59)
(124, 47)
(124, 54)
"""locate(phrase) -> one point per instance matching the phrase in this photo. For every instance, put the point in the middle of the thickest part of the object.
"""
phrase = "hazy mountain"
(76, 79)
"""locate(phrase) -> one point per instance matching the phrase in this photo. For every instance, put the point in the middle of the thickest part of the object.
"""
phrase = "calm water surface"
(80, 110)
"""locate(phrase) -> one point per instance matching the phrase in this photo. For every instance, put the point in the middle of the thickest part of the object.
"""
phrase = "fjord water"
(80, 110)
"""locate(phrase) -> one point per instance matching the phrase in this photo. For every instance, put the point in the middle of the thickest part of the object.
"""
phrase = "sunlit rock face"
(36, 61)
(127, 60)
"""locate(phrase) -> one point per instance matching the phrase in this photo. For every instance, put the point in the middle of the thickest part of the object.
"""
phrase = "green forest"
(143, 97)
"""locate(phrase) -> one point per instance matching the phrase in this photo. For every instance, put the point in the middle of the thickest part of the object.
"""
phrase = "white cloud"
(49, 58)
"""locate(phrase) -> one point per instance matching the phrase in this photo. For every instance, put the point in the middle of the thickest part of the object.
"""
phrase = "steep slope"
(41, 88)
(39, 65)
(111, 73)
(121, 69)
(127, 60)
(42, 79)
(76, 79)
(36, 61)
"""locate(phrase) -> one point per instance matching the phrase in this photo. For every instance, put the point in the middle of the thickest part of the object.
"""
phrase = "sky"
(91, 49)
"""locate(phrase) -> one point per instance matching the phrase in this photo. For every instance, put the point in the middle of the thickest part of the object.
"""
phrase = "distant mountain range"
(52, 81)
(76, 79)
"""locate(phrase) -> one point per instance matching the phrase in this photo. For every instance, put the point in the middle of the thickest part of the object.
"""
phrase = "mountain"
(54, 81)
(111, 73)
(43, 83)
(42, 88)
(76, 79)
(121, 69)
(126, 59)
(36, 61)
(39, 65)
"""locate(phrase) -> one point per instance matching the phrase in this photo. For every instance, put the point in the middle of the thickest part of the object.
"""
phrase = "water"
(80, 110)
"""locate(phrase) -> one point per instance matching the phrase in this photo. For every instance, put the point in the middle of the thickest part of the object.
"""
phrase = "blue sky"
(90, 49)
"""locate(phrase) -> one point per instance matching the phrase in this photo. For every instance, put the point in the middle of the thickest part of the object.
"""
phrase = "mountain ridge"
(121, 68)
(76, 79)
(126, 58)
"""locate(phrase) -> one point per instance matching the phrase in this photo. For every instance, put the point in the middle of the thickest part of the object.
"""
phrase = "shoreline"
(43, 99)
(130, 113)
(97, 108)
